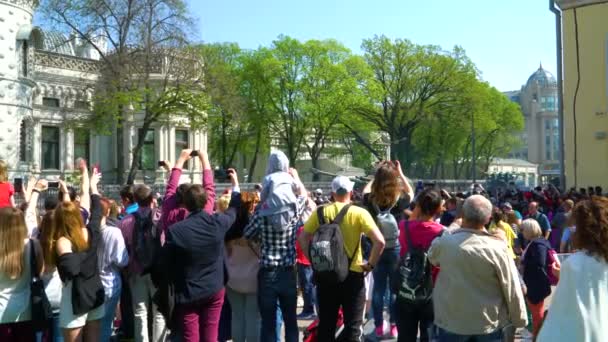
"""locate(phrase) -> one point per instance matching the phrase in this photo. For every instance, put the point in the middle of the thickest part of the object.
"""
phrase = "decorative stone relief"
(66, 62)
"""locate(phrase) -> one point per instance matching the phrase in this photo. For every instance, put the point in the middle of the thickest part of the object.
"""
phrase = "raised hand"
(184, 156)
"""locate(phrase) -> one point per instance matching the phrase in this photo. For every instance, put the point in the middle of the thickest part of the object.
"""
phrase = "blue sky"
(506, 39)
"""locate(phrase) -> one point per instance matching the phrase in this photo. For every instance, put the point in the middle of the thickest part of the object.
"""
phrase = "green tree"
(410, 83)
(227, 116)
(141, 44)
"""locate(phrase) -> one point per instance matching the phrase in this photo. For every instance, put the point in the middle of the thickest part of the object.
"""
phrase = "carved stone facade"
(47, 84)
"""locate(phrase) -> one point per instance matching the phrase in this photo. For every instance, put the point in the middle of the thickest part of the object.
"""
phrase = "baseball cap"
(507, 205)
(319, 192)
(342, 185)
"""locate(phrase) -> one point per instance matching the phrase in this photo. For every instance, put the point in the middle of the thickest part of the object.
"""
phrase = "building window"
(50, 147)
(24, 58)
(181, 142)
(23, 142)
(548, 103)
(82, 105)
(146, 156)
(50, 102)
(81, 144)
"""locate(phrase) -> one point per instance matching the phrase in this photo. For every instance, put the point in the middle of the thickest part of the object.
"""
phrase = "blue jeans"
(384, 270)
(107, 320)
(54, 333)
(446, 336)
(277, 329)
(245, 316)
(308, 288)
(278, 284)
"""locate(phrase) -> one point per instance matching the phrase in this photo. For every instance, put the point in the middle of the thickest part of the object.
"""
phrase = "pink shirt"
(6, 191)
(422, 234)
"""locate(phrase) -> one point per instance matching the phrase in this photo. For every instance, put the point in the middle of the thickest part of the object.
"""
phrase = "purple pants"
(22, 331)
(200, 319)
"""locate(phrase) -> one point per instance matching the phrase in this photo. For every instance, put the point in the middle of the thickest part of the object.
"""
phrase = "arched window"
(24, 59)
(23, 145)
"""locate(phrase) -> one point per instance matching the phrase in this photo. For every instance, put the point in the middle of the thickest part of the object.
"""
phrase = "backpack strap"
(408, 238)
(352, 258)
(341, 214)
(320, 216)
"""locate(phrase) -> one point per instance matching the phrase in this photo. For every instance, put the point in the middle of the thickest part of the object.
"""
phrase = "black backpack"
(146, 242)
(413, 282)
(328, 257)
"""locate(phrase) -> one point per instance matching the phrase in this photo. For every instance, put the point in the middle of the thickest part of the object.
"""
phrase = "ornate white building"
(540, 139)
(46, 87)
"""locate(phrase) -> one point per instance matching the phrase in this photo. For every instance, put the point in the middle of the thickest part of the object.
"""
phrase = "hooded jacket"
(278, 194)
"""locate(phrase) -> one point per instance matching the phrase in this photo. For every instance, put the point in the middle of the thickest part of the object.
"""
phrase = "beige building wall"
(585, 59)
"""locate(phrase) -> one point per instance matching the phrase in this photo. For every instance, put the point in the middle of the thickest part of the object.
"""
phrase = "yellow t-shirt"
(509, 233)
(356, 222)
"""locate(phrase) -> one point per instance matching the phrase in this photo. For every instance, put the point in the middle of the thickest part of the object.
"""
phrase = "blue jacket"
(194, 253)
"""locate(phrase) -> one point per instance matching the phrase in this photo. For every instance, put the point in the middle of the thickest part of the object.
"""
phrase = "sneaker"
(380, 331)
(306, 316)
(394, 332)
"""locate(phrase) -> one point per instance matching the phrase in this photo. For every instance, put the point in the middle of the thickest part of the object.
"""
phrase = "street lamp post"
(473, 157)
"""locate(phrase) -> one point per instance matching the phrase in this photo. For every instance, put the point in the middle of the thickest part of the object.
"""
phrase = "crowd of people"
(196, 266)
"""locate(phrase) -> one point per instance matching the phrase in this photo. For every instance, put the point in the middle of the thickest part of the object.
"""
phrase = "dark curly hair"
(387, 186)
(591, 218)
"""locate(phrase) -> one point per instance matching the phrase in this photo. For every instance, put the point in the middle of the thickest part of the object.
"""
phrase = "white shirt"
(15, 293)
(111, 256)
(579, 307)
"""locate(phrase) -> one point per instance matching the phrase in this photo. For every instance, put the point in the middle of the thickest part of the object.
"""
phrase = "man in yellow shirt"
(349, 294)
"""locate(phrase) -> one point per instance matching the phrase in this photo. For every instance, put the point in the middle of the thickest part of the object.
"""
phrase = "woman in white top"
(579, 308)
(15, 276)
(112, 256)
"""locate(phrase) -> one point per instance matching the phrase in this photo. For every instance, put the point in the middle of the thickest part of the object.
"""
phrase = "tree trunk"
(254, 160)
(314, 159)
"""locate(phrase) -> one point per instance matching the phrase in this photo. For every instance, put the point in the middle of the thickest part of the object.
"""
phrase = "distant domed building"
(47, 81)
(538, 101)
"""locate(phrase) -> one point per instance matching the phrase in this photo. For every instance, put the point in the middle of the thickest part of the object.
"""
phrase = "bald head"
(532, 208)
(476, 211)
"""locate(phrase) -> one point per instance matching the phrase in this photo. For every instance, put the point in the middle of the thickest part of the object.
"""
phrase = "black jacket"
(194, 249)
(82, 269)
(535, 270)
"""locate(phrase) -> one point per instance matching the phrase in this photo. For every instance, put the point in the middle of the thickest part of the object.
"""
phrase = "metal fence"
(113, 191)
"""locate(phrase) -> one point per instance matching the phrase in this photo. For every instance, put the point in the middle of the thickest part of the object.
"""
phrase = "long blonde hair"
(67, 223)
(12, 233)
(3, 171)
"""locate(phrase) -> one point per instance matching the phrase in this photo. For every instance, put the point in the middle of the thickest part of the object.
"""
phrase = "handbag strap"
(33, 264)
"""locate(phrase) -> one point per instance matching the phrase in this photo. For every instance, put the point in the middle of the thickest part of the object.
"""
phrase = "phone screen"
(18, 184)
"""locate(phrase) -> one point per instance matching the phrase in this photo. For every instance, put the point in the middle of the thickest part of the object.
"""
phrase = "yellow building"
(584, 28)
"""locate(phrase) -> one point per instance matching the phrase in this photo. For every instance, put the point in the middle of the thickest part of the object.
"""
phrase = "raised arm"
(208, 183)
(170, 201)
(407, 186)
(95, 200)
(63, 188)
(31, 212)
(301, 189)
(85, 185)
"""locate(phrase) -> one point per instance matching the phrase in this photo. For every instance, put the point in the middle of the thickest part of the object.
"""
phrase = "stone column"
(67, 149)
(36, 146)
(160, 151)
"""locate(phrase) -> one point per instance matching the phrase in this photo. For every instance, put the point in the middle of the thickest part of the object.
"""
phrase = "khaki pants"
(142, 290)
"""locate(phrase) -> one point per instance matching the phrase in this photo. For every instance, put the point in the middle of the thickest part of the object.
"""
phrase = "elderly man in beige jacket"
(478, 292)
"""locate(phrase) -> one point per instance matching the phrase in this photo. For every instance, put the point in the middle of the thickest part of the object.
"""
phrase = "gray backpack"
(388, 226)
(328, 257)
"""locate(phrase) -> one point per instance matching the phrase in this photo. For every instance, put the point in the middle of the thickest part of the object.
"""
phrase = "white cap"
(319, 192)
(342, 185)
